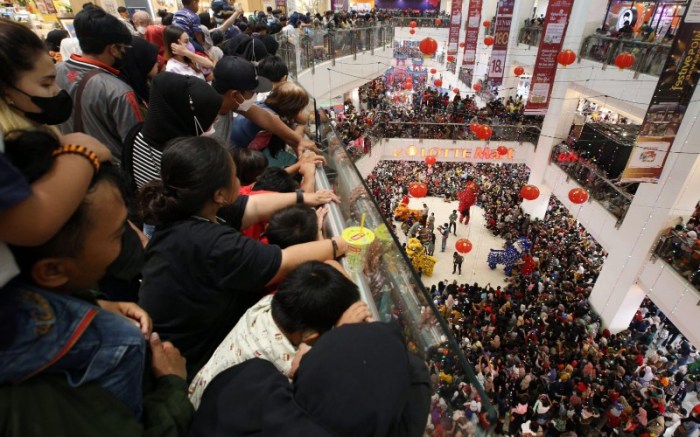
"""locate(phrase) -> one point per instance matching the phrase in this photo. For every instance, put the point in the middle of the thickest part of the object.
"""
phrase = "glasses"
(123, 47)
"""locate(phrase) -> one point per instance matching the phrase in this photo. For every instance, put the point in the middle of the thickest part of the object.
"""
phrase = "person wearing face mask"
(181, 55)
(141, 21)
(30, 214)
(104, 106)
(238, 82)
(179, 106)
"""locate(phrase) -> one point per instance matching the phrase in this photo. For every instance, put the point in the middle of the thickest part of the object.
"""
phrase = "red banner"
(455, 26)
(497, 64)
(553, 33)
(472, 37)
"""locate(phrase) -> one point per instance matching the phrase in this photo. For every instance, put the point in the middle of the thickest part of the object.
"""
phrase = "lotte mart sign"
(477, 153)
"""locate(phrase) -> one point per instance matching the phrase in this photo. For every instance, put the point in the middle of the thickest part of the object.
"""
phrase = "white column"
(615, 297)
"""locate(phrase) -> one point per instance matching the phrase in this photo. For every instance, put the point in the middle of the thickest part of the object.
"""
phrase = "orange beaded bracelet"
(75, 149)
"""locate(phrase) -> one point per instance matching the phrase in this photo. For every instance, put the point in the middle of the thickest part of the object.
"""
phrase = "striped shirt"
(146, 165)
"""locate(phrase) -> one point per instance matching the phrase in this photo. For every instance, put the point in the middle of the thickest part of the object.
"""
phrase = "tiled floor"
(474, 267)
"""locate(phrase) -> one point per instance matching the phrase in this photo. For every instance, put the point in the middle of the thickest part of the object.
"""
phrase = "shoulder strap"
(78, 113)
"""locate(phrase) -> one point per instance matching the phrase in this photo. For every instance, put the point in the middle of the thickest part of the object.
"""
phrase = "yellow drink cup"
(358, 240)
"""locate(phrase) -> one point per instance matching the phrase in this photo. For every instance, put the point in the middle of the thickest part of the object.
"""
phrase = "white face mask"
(141, 30)
(210, 132)
(247, 103)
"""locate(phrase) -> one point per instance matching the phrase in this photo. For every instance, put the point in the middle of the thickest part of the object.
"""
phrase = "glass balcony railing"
(388, 281)
(444, 21)
(681, 253)
(305, 49)
(600, 188)
(649, 58)
(453, 131)
(530, 35)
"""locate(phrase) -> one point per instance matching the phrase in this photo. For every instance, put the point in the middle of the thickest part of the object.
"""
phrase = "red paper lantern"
(418, 189)
(502, 150)
(489, 40)
(463, 245)
(430, 160)
(624, 60)
(477, 87)
(519, 70)
(456, 90)
(428, 46)
(438, 83)
(450, 58)
(473, 127)
(408, 86)
(412, 24)
(487, 24)
(412, 31)
(566, 57)
(462, 44)
(578, 195)
(529, 192)
(438, 22)
(485, 133)
(433, 71)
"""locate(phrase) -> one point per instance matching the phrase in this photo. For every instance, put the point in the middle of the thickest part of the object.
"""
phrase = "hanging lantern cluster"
(529, 192)
(578, 196)
(418, 189)
(566, 57)
(482, 131)
(428, 46)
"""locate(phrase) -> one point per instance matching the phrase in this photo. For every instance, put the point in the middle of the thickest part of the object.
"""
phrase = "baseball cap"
(235, 73)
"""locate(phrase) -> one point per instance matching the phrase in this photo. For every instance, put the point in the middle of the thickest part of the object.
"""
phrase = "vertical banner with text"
(497, 63)
(471, 40)
(555, 24)
(455, 26)
(674, 89)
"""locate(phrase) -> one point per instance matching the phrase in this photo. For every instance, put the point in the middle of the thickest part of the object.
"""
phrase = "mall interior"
(488, 217)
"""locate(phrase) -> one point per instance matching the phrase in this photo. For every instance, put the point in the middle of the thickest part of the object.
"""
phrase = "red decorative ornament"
(502, 150)
(433, 71)
(529, 192)
(428, 46)
(430, 160)
(408, 86)
(466, 197)
(473, 127)
(456, 90)
(412, 31)
(489, 40)
(624, 60)
(473, 186)
(418, 189)
(578, 195)
(438, 22)
(487, 24)
(519, 70)
(437, 83)
(412, 24)
(462, 44)
(566, 57)
(463, 245)
(477, 87)
(450, 58)
(485, 133)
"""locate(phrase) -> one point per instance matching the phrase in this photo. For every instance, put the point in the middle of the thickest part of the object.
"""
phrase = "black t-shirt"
(198, 280)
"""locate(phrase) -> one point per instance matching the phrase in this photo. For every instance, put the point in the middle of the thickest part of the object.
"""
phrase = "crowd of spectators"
(155, 193)
(680, 247)
(538, 349)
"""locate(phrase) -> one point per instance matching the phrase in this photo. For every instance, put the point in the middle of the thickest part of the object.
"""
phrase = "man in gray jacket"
(104, 106)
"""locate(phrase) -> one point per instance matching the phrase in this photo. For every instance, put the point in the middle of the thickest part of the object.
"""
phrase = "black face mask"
(54, 110)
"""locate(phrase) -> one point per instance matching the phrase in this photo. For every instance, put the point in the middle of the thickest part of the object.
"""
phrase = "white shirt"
(177, 67)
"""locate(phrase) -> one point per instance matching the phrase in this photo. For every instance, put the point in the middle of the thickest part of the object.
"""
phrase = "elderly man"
(141, 20)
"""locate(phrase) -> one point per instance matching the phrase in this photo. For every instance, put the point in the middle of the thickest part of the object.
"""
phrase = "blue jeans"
(444, 244)
(61, 334)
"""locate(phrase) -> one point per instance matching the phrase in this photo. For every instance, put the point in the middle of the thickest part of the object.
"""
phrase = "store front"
(663, 16)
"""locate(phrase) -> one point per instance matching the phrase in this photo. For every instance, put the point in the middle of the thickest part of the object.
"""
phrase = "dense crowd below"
(538, 349)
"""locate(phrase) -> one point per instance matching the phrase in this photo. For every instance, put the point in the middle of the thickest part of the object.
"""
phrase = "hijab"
(358, 379)
(175, 101)
(139, 61)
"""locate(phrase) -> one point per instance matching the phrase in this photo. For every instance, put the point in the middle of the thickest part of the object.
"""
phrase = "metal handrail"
(650, 57)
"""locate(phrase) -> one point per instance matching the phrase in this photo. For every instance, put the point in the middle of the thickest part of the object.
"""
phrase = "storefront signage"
(671, 98)
(455, 26)
(554, 31)
(497, 64)
(466, 153)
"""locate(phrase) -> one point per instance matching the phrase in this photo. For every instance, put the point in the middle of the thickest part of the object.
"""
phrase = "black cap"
(235, 73)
